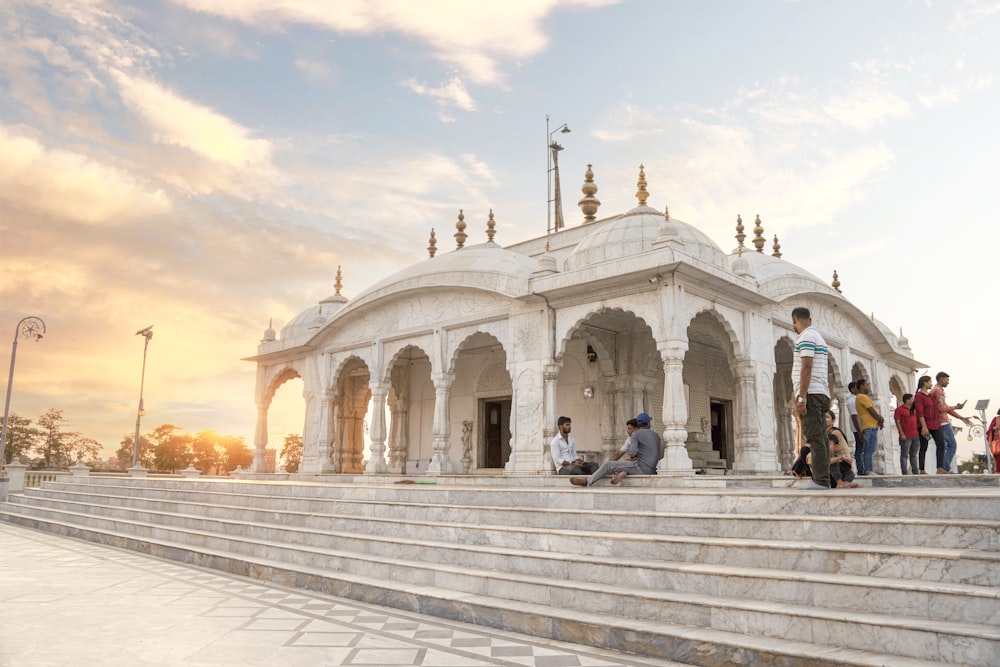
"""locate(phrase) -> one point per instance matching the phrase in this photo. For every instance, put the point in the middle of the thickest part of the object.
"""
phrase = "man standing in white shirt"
(812, 394)
(563, 450)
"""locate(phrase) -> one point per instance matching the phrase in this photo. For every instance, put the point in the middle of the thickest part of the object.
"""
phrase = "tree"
(976, 464)
(234, 453)
(124, 453)
(53, 442)
(22, 437)
(291, 452)
(171, 449)
(206, 452)
(79, 448)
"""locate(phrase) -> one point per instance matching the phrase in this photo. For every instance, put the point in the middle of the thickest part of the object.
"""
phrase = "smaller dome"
(269, 334)
(302, 324)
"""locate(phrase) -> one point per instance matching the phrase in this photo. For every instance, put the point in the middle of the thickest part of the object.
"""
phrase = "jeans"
(870, 436)
(859, 452)
(630, 468)
(587, 468)
(909, 450)
(938, 447)
(923, 451)
(950, 445)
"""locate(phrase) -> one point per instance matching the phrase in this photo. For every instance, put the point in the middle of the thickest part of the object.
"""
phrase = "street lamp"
(31, 327)
(551, 148)
(146, 333)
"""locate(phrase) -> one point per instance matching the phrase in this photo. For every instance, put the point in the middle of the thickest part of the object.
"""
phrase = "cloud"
(178, 121)
(451, 94)
(941, 97)
(471, 36)
(315, 71)
(63, 184)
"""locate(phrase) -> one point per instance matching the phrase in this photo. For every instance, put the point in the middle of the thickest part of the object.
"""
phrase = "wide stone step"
(935, 564)
(968, 643)
(952, 532)
(537, 577)
(936, 503)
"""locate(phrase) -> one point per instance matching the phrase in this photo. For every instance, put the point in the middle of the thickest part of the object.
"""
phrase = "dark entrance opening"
(721, 415)
(496, 433)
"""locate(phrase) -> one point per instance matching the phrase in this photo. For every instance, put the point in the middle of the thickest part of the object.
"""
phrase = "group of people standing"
(919, 419)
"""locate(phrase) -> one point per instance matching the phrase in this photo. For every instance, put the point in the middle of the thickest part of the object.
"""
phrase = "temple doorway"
(496, 432)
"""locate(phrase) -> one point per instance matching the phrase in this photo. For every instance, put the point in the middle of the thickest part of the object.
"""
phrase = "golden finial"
(460, 235)
(740, 236)
(758, 235)
(589, 204)
(836, 281)
(270, 324)
(739, 251)
(776, 247)
(431, 244)
(547, 249)
(641, 193)
(491, 227)
(666, 213)
(336, 283)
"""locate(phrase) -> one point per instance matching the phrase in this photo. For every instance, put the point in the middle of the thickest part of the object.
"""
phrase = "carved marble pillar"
(376, 464)
(747, 443)
(440, 463)
(337, 438)
(550, 382)
(398, 440)
(325, 436)
(260, 439)
(609, 421)
(676, 460)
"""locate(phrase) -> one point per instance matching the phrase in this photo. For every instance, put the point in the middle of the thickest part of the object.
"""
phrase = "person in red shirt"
(929, 419)
(909, 438)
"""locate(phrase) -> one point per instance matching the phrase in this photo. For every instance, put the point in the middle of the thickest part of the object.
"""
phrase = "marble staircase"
(876, 576)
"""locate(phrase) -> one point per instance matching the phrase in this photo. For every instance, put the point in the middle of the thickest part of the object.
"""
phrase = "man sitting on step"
(564, 455)
(641, 458)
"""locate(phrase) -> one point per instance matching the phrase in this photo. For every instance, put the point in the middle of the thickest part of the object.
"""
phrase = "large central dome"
(634, 232)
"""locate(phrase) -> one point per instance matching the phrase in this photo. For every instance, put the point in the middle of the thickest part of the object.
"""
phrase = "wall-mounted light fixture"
(588, 392)
(591, 354)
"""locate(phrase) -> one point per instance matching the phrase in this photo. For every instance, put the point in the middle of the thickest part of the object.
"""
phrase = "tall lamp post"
(146, 333)
(31, 327)
(551, 148)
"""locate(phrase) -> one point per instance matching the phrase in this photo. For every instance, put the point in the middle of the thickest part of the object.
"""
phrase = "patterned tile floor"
(66, 602)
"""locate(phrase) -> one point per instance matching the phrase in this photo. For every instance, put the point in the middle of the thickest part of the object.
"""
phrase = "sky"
(206, 165)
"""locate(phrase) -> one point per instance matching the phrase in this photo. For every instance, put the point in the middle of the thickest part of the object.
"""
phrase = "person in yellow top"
(871, 422)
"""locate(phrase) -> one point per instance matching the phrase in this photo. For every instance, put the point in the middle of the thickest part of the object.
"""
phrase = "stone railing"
(34, 478)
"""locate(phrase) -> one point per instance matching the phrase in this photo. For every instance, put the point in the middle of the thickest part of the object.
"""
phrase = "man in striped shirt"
(812, 393)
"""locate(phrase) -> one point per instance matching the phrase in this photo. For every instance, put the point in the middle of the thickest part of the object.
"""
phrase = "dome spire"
(490, 227)
(776, 247)
(641, 193)
(337, 284)
(740, 236)
(431, 244)
(460, 235)
(758, 235)
(836, 281)
(589, 204)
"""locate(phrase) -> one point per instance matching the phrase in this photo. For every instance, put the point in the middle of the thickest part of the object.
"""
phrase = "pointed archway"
(350, 409)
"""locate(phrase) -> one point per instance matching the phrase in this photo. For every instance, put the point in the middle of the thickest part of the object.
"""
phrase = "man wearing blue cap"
(641, 458)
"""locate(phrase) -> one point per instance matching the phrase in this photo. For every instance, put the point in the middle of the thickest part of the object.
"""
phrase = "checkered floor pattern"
(101, 605)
